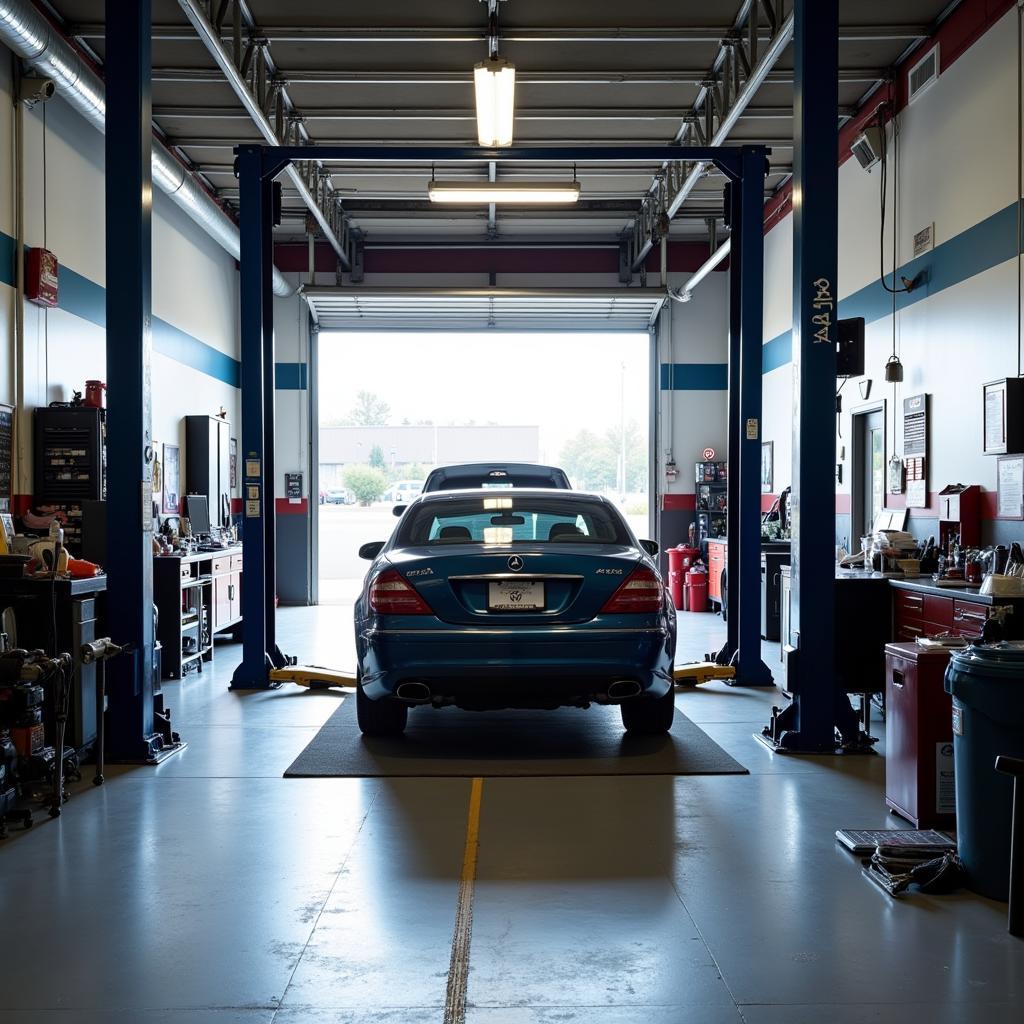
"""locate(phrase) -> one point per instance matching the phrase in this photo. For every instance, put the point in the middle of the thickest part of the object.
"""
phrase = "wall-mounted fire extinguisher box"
(41, 271)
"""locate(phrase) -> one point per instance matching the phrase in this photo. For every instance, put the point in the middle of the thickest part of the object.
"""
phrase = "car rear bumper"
(516, 668)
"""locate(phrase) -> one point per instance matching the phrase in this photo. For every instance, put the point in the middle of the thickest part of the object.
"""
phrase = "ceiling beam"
(229, 142)
(469, 114)
(464, 76)
(682, 34)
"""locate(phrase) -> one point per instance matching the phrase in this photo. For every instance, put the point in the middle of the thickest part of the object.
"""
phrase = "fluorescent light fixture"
(503, 192)
(495, 83)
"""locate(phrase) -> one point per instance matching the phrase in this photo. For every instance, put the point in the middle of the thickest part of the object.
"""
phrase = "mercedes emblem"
(515, 563)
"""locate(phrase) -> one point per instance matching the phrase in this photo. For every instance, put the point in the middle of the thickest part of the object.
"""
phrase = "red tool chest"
(918, 736)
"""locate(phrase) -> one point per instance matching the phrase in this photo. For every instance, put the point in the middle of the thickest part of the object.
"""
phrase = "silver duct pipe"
(25, 31)
(684, 294)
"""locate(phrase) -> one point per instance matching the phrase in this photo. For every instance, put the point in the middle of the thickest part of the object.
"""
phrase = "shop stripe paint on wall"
(88, 300)
(980, 247)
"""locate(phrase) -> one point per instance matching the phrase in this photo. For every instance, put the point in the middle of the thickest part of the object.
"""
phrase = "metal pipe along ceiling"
(48, 53)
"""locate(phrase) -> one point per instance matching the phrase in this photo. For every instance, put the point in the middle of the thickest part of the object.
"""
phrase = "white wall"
(957, 166)
(195, 283)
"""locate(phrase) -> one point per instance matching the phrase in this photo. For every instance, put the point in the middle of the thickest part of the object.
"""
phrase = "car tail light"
(640, 591)
(392, 594)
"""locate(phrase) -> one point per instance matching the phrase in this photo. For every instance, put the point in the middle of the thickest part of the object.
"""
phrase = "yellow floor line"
(458, 969)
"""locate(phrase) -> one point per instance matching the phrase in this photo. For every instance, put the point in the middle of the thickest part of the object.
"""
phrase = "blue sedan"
(513, 599)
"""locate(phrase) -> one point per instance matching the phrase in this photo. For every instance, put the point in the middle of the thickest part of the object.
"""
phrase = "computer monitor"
(197, 508)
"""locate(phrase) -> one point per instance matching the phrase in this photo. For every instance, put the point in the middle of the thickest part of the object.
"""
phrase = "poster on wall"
(158, 476)
(994, 442)
(6, 456)
(767, 466)
(172, 480)
(233, 462)
(1010, 487)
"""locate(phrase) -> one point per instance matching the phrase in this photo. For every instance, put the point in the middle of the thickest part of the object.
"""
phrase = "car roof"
(454, 493)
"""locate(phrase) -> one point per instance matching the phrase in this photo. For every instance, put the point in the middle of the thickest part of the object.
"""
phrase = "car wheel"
(386, 717)
(649, 715)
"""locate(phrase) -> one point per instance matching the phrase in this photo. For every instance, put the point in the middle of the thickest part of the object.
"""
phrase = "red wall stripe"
(955, 36)
(286, 507)
(683, 257)
(678, 502)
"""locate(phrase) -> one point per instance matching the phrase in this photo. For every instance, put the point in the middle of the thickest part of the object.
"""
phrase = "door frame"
(857, 527)
(313, 410)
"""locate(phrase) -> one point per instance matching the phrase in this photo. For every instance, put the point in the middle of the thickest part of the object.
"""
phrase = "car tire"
(647, 715)
(385, 717)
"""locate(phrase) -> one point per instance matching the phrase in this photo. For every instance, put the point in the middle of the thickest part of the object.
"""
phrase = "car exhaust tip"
(414, 693)
(623, 688)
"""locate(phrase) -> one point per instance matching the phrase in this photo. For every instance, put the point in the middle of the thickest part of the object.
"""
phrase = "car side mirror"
(372, 550)
(397, 510)
(650, 546)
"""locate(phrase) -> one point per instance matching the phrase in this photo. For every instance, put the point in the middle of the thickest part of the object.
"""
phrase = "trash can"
(697, 591)
(676, 568)
(987, 684)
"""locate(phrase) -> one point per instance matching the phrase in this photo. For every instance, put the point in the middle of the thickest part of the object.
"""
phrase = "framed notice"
(1010, 487)
(995, 418)
(172, 480)
(233, 461)
(767, 466)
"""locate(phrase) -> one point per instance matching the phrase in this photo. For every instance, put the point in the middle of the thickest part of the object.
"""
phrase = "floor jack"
(313, 677)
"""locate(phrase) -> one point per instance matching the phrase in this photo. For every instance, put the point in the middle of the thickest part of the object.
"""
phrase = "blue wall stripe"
(979, 248)
(694, 376)
(291, 376)
(88, 300)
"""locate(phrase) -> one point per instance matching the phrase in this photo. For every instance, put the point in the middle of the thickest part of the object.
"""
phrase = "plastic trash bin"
(987, 685)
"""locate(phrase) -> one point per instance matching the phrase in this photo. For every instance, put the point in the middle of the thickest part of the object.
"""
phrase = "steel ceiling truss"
(738, 70)
(247, 64)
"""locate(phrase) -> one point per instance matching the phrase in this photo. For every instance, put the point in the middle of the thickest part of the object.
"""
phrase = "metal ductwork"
(28, 33)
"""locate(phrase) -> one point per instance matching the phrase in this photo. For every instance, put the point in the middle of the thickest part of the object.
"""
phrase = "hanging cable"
(883, 192)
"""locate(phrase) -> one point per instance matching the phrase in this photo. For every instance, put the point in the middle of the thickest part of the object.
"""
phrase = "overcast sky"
(560, 382)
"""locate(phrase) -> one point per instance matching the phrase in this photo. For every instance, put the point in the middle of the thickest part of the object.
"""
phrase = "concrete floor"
(211, 890)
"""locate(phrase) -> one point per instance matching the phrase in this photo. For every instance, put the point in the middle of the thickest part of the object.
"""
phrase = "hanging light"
(894, 370)
(503, 192)
(495, 83)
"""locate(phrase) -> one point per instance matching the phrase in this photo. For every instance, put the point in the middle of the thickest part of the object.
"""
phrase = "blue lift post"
(129, 195)
(808, 726)
(730, 589)
(750, 670)
(256, 167)
(257, 326)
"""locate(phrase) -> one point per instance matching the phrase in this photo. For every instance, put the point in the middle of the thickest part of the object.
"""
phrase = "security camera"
(35, 89)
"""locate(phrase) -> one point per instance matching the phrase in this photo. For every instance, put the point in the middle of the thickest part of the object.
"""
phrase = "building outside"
(423, 447)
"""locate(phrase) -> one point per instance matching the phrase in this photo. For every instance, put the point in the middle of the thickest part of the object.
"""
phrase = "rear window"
(504, 518)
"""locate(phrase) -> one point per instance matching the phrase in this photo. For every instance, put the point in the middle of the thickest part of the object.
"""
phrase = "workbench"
(197, 596)
(75, 610)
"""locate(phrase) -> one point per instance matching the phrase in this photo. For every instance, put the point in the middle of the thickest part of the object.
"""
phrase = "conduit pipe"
(684, 294)
(210, 38)
(41, 46)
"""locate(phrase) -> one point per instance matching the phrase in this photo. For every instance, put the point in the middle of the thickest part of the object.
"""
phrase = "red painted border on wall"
(286, 507)
(678, 502)
(683, 257)
(955, 36)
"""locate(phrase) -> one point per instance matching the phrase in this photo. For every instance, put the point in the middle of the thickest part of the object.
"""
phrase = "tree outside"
(377, 458)
(366, 483)
(592, 460)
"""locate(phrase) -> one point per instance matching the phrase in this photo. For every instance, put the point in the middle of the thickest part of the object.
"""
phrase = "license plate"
(514, 596)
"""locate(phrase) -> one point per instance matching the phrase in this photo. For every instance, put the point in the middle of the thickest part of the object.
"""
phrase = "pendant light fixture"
(494, 82)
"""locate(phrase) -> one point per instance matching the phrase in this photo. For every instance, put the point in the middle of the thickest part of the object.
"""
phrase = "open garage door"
(478, 309)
